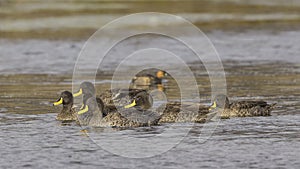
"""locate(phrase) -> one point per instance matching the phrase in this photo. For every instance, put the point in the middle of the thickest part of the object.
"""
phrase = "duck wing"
(248, 104)
(250, 108)
(184, 107)
(141, 116)
(129, 118)
(183, 112)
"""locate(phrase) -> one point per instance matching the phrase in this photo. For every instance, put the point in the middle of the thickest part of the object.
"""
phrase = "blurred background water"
(258, 42)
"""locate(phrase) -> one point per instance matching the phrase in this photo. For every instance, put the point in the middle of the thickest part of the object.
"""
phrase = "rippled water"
(259, 64)
(260, 142)
(43, 56)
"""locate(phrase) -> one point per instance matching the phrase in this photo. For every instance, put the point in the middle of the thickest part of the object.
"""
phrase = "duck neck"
(67, 109)
(86, 97)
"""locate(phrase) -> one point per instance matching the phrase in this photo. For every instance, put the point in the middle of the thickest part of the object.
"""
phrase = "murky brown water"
(258, 42)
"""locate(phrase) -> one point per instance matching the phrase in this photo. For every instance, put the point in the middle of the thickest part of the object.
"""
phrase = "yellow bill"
(82, 106)
(58, 102)
(130, 105)
(213, 106)
(78, 93)
(84, 110)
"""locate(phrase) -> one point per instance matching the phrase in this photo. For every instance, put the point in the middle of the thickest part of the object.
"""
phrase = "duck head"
(66, 114)
(66, 99)
(220, 101)
(161, 74)
(141, 101)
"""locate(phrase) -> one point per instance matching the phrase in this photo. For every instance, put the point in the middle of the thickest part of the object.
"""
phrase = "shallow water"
(261, 63)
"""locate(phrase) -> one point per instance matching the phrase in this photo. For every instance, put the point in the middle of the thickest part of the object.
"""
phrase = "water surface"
(257, 41)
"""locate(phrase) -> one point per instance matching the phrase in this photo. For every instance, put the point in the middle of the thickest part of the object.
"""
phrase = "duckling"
(67, 113)
(149, 77)
(242, 108)
(91, 115)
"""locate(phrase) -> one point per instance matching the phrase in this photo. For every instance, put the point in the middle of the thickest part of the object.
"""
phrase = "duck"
(186, 112)
(175, 111)
(241, 108)
(92, 116)
(114, 98)
(128, 98)
(68, 112)
(148, 77)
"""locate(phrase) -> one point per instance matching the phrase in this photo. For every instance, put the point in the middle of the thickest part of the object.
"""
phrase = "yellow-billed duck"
(132, 97)
(67, 113)
(184, 112)
(149, 77)
(92, 115)
(115, 98)
(241, 108)
(177, 112)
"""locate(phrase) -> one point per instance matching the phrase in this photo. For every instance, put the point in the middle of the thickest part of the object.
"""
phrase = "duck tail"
(272, 106)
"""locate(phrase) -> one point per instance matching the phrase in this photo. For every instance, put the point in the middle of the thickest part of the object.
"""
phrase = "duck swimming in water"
(137, 97)
(67, 113)
(241, 108)
(175, 111)
(184, 112)
(148, 77)
(115, 98)
(91, 115)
